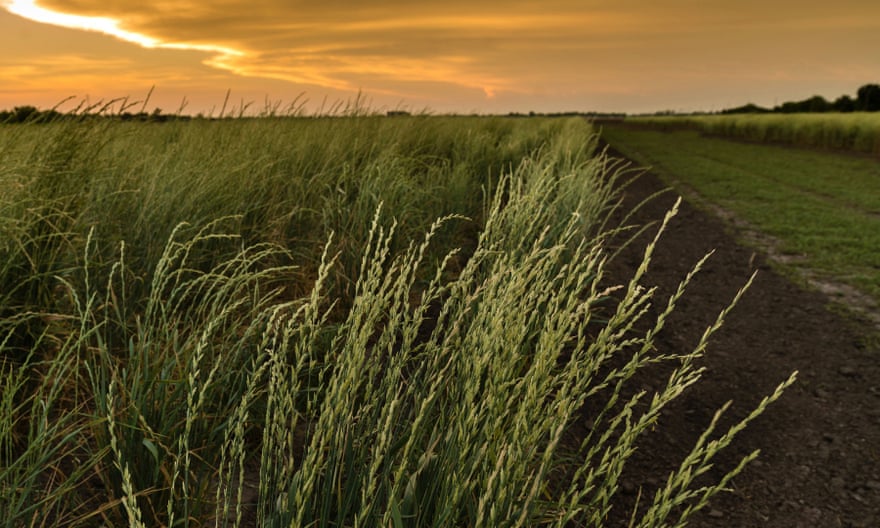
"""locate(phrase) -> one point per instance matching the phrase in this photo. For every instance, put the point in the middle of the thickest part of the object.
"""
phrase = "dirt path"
(820, 443)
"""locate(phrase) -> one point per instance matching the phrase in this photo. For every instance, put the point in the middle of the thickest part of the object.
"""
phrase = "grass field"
(823, 208)
(348, 321)
(854, 132)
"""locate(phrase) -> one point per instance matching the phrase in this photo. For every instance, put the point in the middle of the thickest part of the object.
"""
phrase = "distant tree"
(51, 115)
(29, 114)
(868, 98)
(844, 103)
(158, 117)
(750, 108)
(22, 114)
(817, 103)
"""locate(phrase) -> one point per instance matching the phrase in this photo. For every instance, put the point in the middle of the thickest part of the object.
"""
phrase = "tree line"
(867, 99)
(32, 114)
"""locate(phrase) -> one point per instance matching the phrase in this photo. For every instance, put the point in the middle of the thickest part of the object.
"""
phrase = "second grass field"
(823, 209)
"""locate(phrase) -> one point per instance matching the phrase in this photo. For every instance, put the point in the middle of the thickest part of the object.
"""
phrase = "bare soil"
(820, 443)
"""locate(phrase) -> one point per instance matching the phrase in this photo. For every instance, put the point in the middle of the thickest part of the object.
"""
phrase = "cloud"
(492, 50)
(343, 45)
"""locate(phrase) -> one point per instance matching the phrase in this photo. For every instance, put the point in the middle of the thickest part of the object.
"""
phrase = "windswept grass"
(245, 372)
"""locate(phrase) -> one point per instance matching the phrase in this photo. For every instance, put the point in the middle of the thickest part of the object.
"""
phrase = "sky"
(449, 56)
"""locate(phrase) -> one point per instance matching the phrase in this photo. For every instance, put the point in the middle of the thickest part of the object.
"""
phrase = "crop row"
(855, 131)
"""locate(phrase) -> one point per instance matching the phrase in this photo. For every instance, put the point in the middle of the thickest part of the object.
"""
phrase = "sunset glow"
(491, 57)
(30, 10)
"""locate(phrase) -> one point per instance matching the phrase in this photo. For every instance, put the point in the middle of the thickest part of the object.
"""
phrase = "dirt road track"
(820, 443)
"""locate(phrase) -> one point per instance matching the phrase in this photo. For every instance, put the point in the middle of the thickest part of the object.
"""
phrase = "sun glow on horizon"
(445, 54)
(329, 75)
(236, 61)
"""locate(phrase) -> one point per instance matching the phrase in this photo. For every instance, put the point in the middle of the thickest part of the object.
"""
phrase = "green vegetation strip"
(824, 207)
(851, 131)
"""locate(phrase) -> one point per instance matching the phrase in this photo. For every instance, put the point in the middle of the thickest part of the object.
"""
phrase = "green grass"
(283, 322)
(822, 206)
(855, 131)
(283, 181)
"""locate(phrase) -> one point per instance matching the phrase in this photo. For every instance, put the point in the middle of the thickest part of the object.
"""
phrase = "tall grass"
(288, 181)
(856, 131)
(229, 380)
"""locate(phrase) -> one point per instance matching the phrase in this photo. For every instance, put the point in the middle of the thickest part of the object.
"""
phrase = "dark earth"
(820, 442)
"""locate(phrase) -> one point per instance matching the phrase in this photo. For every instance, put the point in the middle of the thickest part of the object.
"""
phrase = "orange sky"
(446, 56)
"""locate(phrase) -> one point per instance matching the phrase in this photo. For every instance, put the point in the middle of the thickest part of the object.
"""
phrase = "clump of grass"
(431, 396)
(463, 425)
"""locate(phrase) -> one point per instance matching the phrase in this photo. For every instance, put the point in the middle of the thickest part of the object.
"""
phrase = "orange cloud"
(459, 53)
(351, 50)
